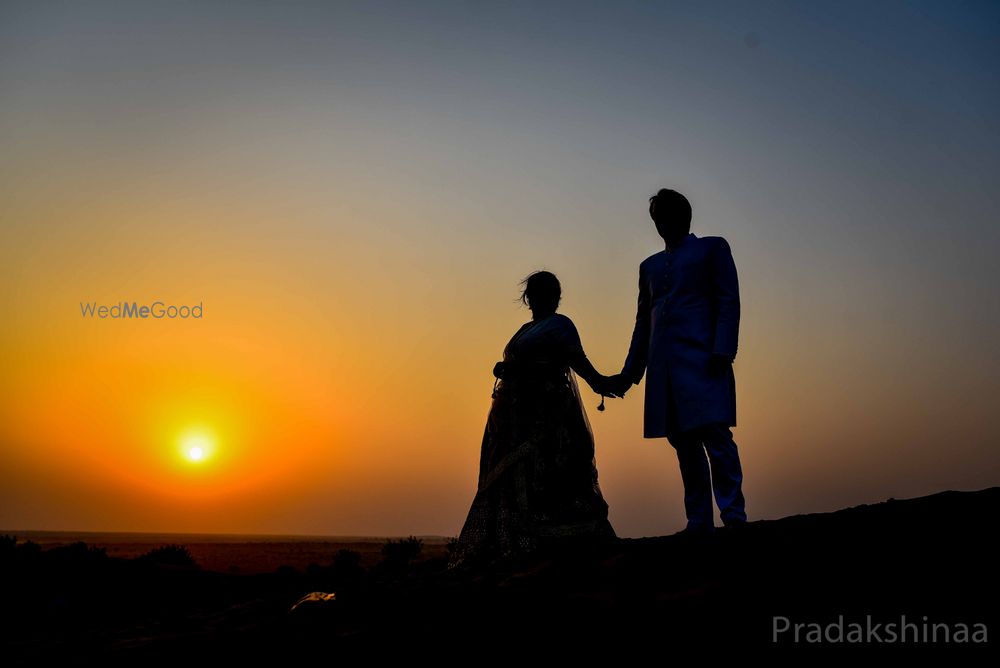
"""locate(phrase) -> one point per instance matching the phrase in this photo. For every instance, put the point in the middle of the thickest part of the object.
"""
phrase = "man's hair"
(670, 207)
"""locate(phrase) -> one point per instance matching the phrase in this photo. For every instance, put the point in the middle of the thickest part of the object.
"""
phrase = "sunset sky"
(353, 191)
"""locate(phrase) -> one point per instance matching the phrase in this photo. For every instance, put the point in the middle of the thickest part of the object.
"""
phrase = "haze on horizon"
(354, 190)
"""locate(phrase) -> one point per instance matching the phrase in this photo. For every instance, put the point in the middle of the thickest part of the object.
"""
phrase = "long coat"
(688, 310)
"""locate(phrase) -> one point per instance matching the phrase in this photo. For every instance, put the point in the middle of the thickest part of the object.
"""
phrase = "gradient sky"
(354, 190)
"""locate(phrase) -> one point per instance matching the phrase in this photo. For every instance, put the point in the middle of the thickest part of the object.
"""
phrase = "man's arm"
(727, 296)
(635, 361)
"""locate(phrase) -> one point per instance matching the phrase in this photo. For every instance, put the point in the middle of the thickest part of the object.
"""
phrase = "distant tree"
(170, 555)
(78, 552)
(401, 552)
(287, 572)
(347, 561)
(8, 547)
(29, 549)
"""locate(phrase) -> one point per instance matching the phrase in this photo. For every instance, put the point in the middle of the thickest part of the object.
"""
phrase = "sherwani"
(688, 311)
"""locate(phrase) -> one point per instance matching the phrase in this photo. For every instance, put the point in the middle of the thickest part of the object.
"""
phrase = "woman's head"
(541, 293)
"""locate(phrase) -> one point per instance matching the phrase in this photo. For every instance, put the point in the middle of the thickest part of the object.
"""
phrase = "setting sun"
(196, 446)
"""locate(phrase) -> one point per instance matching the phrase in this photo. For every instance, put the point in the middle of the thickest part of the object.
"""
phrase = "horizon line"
(356, 538)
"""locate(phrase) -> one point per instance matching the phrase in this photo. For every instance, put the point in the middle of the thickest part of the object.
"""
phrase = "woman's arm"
(584, 369)
(576, 358)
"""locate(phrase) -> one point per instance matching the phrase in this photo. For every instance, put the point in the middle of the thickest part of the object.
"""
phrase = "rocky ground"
(894, 577)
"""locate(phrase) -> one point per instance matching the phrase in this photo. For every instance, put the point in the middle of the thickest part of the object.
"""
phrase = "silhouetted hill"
(926, 565)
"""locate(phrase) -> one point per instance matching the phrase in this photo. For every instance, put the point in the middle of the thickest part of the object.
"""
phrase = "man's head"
(671, 213)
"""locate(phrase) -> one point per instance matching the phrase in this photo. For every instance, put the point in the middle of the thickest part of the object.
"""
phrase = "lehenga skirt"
(537, 475)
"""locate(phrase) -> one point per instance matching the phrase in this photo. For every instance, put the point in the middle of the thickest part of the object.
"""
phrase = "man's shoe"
(697, 532)
(737, 528)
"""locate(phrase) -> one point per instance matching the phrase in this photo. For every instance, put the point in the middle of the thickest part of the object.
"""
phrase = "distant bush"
(78, 552)
(346, 561)
(287, 572)
(8, 550)
(170, 555)
(29, 549)
(402, 551)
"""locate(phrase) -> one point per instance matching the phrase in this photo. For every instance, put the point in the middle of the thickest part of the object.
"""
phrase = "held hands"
(619, 384)
(612, 386)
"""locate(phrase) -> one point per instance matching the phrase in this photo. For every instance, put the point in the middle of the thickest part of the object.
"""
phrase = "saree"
(538, 483)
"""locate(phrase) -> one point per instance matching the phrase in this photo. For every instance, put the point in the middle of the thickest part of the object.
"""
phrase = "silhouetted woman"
(537, 472)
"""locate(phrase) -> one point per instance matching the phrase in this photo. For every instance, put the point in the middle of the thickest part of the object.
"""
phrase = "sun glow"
(196, 446)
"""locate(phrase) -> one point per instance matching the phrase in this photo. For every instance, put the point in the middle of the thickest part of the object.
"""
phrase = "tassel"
(601, 406)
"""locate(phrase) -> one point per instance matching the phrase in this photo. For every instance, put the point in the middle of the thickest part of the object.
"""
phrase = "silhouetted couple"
(538, 475)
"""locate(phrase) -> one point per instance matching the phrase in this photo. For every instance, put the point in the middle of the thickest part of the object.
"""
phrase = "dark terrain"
(933, 557)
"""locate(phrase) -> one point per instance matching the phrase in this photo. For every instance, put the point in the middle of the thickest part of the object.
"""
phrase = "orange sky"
(355, 223)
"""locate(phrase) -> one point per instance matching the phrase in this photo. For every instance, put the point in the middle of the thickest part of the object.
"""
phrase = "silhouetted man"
(685, 335)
